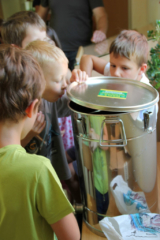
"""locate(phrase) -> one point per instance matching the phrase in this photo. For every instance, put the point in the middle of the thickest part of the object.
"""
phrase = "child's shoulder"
(35, 159)
(17, 155)
(27, 159)
(33, 162)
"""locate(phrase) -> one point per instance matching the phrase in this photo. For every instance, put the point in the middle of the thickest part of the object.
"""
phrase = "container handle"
(123, 140)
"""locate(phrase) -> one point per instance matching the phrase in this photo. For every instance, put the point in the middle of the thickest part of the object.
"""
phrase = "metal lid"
(113, 94)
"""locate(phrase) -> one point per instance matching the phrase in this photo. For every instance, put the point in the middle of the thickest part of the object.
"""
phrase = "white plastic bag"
(127, 201)
(132, 227)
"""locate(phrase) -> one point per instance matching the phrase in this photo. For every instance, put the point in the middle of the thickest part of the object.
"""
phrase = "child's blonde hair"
(130, 43)
(45, 52)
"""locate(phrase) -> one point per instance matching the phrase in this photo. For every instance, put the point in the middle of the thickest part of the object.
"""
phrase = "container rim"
(127, 109)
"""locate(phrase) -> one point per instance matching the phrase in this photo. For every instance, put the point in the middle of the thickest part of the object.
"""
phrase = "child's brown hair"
(130, 43)
(14, 29)
(21, 82)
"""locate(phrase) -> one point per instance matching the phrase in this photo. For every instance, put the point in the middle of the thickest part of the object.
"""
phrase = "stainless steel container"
(114, 125)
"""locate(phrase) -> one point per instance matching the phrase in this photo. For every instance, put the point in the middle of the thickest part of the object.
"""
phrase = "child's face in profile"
(32, 34)
(55, 76)
(124, 68)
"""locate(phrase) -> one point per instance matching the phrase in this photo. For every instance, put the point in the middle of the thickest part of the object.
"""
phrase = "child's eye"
(112, 65)
(125, 68)
(62, 79)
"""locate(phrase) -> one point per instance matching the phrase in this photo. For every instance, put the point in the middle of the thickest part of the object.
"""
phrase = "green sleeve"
(52, 202)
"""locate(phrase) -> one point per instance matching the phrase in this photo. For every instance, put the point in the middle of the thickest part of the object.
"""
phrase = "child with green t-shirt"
(21, 29)
(33, 205)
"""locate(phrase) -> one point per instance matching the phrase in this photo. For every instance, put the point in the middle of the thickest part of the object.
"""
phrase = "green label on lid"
(112, 94)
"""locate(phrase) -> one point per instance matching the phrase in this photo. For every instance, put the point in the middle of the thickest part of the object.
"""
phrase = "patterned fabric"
(66, 125)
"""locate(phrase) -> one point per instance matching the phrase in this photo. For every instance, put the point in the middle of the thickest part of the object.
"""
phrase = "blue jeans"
(102, 202)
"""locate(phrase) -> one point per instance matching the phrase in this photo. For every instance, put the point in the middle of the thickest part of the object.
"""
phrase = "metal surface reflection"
(117, 162)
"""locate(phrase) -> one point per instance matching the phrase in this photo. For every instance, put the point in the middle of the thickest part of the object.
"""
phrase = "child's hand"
(39, 124)
(78, 76)
(61, 131)
(37, 128)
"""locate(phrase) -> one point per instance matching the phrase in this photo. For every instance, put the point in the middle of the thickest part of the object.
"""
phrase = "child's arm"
(53, 205)
(37, 128)
(66, 228)
(90, 62)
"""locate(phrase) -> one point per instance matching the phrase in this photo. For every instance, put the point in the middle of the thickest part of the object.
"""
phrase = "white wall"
(138, 13)
(143, 13)
(10, 7)
(153, 10)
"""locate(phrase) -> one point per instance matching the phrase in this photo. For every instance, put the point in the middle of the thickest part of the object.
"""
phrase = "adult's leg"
(73, 182)
(71, 55)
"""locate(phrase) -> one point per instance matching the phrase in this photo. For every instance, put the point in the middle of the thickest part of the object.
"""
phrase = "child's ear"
(143, 68)
(31, 108)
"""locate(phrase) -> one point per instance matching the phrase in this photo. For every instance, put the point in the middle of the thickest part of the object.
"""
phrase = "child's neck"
(9, 133)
